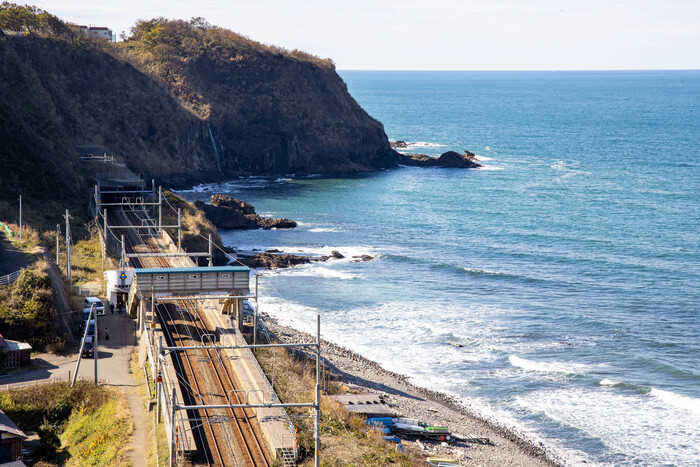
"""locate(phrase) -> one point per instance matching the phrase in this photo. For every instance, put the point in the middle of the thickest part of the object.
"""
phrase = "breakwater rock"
(226, 212)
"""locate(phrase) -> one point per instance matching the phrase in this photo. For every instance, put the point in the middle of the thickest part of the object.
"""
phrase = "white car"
(99, 306)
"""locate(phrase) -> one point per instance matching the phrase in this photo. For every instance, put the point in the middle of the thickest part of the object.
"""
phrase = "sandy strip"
(407, 400)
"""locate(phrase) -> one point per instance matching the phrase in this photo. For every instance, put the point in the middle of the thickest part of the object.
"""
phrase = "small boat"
(392, 439)
(440, 461)
(379, 421)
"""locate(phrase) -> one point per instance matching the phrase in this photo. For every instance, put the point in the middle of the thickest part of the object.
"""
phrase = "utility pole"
(20, 217)
(317, 409)
(96, 352)
(211, 251)
(58, 235)
(82, 344)
(104, 249)
(104, 229)
(97, 203)
(68, 241)
(123, 262)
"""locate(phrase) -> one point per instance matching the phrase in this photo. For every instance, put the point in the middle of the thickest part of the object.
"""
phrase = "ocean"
(555, 290)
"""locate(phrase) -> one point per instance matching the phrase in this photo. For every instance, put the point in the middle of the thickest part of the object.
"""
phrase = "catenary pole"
(160, 208)
(255, 314)
(179, 231)
(172, 429)
(211, 253)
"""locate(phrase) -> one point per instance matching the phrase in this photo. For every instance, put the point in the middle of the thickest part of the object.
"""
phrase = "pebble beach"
(492, 445)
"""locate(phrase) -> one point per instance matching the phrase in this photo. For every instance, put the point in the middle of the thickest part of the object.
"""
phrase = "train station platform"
(275, 425)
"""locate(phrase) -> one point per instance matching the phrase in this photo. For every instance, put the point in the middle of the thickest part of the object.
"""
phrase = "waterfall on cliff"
(217, 157)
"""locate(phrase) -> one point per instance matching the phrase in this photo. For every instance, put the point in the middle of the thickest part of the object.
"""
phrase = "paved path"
(113, 366)
(11, 258)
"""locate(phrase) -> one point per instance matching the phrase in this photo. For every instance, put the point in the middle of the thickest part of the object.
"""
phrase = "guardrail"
(41, 382)
(7, 230)
(9, 278)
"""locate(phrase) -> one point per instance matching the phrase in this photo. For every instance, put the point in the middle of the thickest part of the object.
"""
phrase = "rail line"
(244, 428)
(209, 444)
(198, 379)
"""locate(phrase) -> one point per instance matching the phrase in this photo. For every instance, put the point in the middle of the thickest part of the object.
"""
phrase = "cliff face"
(267, 110)
(180, 102)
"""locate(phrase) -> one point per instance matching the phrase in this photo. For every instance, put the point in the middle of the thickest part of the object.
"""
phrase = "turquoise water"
(567, 268)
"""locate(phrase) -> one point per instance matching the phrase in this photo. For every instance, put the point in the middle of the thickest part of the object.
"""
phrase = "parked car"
(88, 347)
(99, 306)
(91, 327)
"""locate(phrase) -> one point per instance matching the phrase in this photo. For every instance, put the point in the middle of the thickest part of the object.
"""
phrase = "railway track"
(254, 451)
(227, 437)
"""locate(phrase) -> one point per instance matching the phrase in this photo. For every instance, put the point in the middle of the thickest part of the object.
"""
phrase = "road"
(113, 367)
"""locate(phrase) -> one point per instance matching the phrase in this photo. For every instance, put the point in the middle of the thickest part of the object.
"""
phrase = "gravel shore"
(504, 447)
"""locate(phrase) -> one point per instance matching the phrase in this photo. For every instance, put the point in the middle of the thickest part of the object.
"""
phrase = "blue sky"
(440, 34)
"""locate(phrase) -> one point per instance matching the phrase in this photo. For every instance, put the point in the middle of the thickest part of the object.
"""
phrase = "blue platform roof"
(191, 270)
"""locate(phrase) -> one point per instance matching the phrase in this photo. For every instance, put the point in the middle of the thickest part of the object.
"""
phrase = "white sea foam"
(482, 158)
(689, 404)
(315, 270)
(634, 424)
(290, 314)
(480, 271)
(325, 229)
(489, 167)
(608, 382)
(423, 144)
(548, 367)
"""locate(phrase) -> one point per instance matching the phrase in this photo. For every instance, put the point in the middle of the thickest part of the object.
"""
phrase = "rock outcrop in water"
(267, 260)
(226, 212)
(449, 159)
(400, 144)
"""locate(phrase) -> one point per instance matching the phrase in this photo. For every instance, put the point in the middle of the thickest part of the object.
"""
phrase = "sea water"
(555, 290)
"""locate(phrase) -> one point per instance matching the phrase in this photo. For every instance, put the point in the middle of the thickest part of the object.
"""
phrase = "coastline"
(506, 447)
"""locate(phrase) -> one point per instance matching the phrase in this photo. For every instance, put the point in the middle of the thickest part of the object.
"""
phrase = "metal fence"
(9, 278)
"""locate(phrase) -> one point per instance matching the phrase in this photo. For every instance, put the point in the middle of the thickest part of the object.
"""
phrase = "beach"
(504, 446)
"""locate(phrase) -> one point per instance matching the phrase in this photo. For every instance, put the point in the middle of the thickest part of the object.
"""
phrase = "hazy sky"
(440, 34)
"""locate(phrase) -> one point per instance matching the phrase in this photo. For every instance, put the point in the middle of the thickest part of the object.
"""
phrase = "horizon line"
(525, 70)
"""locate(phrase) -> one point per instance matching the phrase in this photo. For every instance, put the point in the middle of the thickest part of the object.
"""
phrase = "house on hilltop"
(97, 32)
(14, 353)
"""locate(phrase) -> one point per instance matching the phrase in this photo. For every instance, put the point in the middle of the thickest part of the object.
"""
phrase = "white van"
(99, 306)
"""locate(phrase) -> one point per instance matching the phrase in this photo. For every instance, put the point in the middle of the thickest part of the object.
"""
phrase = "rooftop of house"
(8, 426)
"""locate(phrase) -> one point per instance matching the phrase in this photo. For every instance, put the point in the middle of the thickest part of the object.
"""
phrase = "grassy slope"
(27, 311)
(92, 423)
(346, 440)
